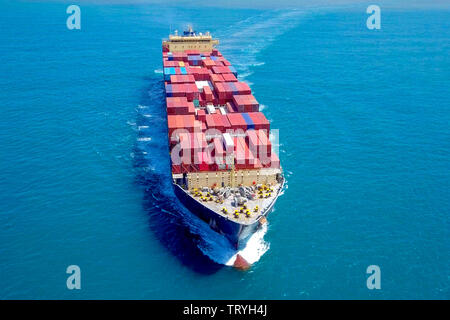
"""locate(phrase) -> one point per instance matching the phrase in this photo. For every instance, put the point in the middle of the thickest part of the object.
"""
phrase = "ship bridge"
(190, 40)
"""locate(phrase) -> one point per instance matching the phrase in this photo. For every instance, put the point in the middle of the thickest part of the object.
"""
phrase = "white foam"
(144, 139)
(244, 75)
(219, 249)
(159, 71)
(254, 249)
(258, 64)
(243, 41)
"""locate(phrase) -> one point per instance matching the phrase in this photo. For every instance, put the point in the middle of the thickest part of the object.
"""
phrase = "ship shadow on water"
(173, 225)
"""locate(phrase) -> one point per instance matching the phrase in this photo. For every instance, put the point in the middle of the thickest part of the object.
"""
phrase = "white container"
(228, 142)
(210, 109)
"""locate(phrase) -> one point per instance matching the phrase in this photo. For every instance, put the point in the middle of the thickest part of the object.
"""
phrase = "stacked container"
(245, 103)
(203, 92)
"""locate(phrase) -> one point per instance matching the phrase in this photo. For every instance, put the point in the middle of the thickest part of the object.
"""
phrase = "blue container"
(233, 87)
(168, 72)
(194, 60)
(214, 58)
(183, 70)
(248, 121)
(233, 70)
(169, 92)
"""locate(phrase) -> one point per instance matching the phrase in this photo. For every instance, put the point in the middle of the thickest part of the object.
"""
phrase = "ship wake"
(242, 42)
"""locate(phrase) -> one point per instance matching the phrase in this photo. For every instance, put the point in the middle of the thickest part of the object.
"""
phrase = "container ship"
(223, 167)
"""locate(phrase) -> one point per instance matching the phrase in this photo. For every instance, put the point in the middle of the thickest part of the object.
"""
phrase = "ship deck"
(229, 203)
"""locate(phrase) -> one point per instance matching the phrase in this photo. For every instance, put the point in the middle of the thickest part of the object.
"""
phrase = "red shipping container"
(229, 77)
(208, 63)
(177, 110)
(216, 78)
(225, 62)
(179, 56)
(210, 121)
(203, 161)
(192, 52)
(242, 88)
(237, 121)
(253, 142)
(260, 121)
(197, 126)
(201, 101)
(265, 147)
(220, 70)
(246, 103)
(219, 123)
(169, 64)
(199, 73)
(191, 91)
(275, 161)
(225, 122)
(178, 90)
(220, 90)
(244, 157)
(208, 93)
(239, 153)
(180, 122)
(206, 73)
(230, 108)
(228, 90)
(176, 101)
(198, 142)
(177, 105)
(171, 123)
(184, 78)
(191, 108)
(201, 115)
(218, 147)
(186, 147)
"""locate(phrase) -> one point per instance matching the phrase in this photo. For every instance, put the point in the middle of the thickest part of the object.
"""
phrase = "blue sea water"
(363, 118)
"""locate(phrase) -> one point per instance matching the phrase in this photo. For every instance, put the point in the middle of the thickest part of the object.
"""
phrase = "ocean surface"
(364, 138)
